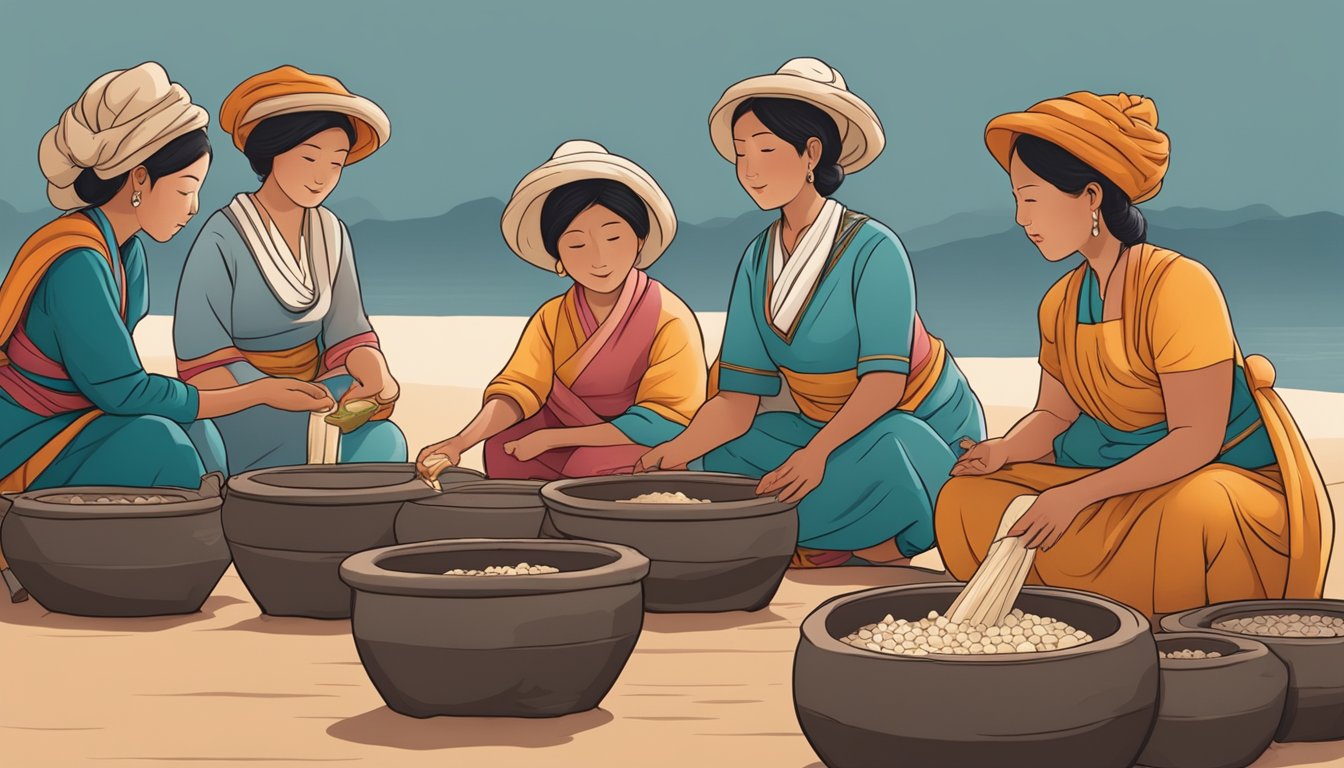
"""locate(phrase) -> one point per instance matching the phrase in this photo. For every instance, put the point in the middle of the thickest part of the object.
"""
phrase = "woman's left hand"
(377, 387)
(796, 477)
(1048, 518)
(529, 447)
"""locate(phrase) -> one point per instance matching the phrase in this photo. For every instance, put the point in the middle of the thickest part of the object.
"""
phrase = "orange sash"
(30, 265)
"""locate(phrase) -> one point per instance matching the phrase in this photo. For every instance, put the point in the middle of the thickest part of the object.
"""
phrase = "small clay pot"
(1090, 705)
(727, 555)
(1215, 713)
(290, 527)
(1314, 710)
(111, 559)
(507, 646)
(484, 509)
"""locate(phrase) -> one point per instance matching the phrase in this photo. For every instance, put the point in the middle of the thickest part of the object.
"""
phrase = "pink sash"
(597, 384)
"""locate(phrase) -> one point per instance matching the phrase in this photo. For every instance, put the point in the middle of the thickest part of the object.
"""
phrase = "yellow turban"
(1115, 133)
(120, 120)
(288, 90)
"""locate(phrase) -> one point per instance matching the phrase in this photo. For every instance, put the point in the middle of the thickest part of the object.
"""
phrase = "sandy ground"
(231, 687)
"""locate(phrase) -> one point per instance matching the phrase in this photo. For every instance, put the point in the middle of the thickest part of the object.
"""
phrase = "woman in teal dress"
(828, 387)
(76, 405)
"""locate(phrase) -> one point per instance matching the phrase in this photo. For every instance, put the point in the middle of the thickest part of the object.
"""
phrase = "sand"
(228, 686)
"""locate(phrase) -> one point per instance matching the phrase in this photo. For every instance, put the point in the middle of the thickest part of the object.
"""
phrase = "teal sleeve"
(96, 348)
(745, 364)
(346, 318)
(644, 427)
(884, 307)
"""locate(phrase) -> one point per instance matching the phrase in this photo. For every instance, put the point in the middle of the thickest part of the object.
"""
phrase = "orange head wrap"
(287, 90)
(1116, 134)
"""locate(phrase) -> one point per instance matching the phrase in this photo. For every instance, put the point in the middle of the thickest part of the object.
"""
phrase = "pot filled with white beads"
(1089, 663)
(1308, 636)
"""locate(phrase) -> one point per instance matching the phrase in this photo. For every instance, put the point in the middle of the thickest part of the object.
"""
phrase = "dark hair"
(795, 122)
(1069, 174)
(564, 203)
(171, 158)
(277, 135)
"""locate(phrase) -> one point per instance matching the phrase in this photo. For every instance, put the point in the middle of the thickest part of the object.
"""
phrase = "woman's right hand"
(435, 458)
(293, 395)
(981, 458)
(666, 456)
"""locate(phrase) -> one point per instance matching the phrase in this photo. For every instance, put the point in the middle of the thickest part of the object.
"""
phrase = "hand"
(293, 395)
(447, 453)
(981, 458)
(529, 447)
(664, 457)
(378, 388)
(798, 476)
(1049, 517)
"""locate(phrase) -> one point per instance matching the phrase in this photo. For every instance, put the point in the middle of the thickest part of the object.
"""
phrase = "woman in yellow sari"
(1170, 474)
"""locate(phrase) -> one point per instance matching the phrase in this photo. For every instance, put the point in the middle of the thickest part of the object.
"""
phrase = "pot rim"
(1247, 649)
(362, 571)
(31, 503)
(557, 498)
(251, 485)
(460, 494)
(1177, 622)
(1132, 624)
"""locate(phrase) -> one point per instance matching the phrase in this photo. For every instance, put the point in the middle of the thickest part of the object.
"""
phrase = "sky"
(1252, 93)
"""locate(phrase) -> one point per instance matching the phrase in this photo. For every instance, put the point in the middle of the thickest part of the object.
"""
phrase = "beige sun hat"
(819, 84)
(581, 161)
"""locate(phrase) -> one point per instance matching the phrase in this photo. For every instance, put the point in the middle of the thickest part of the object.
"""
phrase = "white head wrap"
(120, 120)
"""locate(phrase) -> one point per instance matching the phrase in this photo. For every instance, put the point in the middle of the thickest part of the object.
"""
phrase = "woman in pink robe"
(613, 366)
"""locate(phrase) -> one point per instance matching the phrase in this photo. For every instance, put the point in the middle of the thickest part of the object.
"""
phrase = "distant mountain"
(959, 226)
(1208, 218)
(353, 210)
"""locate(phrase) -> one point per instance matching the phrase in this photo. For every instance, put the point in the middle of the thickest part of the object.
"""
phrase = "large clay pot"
(1089, 705)
(290, 527)
(512, 646)
(117, 559)
(1314, 710)
(1215, 713)
(727, 555)
(485, 509)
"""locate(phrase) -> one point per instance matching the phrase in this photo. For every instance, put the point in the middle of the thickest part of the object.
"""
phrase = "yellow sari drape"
(1221, 533)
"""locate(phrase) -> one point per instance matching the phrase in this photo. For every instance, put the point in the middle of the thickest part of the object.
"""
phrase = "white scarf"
(302, 284)
(795, 278)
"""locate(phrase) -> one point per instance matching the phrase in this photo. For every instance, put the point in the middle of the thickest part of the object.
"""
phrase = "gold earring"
(135, 199)
(559, 268)
(1096, 225)
(809, 176)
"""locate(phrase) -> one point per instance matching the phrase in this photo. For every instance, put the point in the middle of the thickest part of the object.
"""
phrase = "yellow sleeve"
(675, 384)
(1189, 327)
(1047, 317)
(528, 376)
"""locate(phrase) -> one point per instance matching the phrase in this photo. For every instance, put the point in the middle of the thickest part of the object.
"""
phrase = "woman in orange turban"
(1168, 472)
(270, 288)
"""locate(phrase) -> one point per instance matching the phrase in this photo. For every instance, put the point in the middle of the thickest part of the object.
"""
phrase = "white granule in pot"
(934, 634)
(1189, 654)
(663, 497)
(1285, 625)
(122, 500)
(521, 569)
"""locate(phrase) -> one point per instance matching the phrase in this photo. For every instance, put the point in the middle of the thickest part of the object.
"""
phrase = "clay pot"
(117, 559)
(290, 527)
(1314, 710)
(1091, 705)
(509, 646)
(1215, 713)
(727, 555)
(485, 509)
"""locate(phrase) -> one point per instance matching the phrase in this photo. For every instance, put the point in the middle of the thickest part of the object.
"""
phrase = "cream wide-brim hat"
(817, 83)
(581, 161)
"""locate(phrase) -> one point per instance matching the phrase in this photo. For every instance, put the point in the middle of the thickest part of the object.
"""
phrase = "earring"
(809, 176)
(559, 268)
(135, 199)
(1096, 225)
